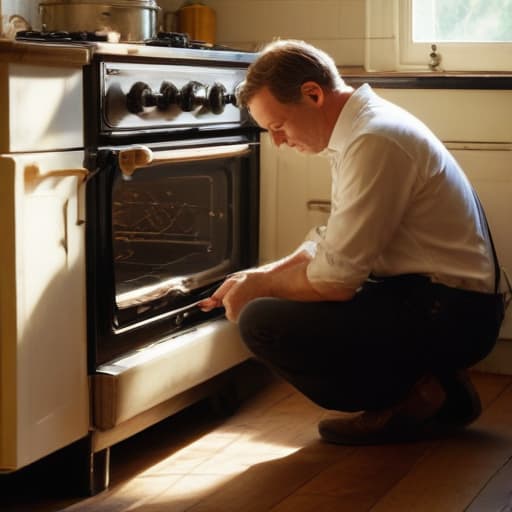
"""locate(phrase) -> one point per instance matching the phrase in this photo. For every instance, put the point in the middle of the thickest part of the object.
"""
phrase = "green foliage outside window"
(462, 21)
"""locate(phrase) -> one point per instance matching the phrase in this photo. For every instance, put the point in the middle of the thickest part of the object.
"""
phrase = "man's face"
(298, 125)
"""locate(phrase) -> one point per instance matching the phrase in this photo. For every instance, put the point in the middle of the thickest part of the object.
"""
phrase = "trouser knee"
(257, 325)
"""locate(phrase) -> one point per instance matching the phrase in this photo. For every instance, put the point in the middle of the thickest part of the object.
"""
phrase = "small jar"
(198, 21)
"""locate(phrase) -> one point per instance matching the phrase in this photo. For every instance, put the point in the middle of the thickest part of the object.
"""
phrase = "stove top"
(162, 39)
(60, 36)
(165, 45)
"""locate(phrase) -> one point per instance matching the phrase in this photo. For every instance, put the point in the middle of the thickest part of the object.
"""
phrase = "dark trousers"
(366, 353)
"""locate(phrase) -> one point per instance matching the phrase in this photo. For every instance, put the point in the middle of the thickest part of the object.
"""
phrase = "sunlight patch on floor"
(186, 475)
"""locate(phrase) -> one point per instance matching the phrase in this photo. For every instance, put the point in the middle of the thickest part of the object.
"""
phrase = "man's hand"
(286, 279)
(236, 292)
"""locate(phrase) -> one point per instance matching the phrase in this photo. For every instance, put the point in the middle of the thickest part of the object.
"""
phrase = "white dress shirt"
(400, 203)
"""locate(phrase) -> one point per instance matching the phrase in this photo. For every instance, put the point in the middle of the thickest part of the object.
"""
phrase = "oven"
(172, 202)
(172, 209)
(150, 172)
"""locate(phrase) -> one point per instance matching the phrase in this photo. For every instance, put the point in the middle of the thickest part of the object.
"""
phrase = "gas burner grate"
(170, 39)
(181, 40)
(59, 36)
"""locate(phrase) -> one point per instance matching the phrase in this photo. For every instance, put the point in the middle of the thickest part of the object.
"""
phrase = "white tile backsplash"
(337, 26)
(29, 9)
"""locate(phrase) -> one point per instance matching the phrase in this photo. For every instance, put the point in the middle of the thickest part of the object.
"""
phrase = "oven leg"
(99, 471)
(77, 470)
(225, 401)
(86, 472)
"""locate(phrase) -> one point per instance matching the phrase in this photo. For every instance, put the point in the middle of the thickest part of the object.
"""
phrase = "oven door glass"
(168, 233)
(172, 234)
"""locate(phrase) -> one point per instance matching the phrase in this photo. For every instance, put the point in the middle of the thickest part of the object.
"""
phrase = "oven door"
(166, 224)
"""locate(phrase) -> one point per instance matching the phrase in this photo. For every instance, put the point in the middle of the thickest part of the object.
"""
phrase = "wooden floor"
(267, 457)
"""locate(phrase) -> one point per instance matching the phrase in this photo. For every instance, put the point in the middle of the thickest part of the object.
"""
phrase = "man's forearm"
(290, 281)
(302, 254)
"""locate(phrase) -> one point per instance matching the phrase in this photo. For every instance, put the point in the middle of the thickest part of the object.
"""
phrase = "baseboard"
(499, 360)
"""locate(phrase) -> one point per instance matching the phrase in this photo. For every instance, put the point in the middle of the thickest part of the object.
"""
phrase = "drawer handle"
(319, 205)
(33, 177)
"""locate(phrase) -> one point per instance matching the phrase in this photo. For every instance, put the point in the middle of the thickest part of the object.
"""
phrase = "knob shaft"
(169, 95)
(193, 95)
(139, 98)
(218, 98)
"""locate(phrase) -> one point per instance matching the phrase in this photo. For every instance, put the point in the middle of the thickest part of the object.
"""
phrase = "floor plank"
(355, 482)
(456, 469)
(268, 458)
(496, 496)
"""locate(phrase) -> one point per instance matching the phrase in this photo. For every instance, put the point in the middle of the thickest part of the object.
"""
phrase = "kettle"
(198, 21)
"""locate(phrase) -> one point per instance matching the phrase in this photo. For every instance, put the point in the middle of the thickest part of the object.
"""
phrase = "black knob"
(168, 96)
(139, 98)
(193, 95)
(218, 98)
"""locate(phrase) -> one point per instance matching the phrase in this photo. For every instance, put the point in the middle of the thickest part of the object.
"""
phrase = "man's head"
(283, 66)
(294, 91)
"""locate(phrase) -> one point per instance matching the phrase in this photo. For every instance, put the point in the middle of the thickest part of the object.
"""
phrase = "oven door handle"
(137, 157)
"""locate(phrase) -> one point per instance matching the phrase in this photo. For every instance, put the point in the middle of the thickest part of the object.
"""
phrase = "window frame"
(465, 56)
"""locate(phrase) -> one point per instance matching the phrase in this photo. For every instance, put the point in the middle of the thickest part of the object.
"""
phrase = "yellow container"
(198, 21)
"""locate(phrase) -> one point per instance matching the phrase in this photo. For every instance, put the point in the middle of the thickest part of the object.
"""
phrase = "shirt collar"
(346, 119)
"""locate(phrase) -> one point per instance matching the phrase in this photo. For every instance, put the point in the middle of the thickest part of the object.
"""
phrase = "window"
(472, 35)
(455, 21)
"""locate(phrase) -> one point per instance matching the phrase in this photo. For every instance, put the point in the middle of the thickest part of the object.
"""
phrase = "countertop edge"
(428, 80)
(44, 55)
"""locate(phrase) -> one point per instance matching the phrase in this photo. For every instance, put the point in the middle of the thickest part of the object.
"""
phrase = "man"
(380, 313)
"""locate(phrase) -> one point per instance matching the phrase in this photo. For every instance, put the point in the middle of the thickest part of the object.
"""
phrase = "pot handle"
(12, 25)
(137, 157)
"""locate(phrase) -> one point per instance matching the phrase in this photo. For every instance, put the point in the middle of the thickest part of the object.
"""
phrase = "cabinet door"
(43, 353)
(294, 189)
(459, 115)
(489, 168)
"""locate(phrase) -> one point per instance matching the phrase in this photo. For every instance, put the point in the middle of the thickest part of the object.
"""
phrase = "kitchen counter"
(78, 54)
(356, 76)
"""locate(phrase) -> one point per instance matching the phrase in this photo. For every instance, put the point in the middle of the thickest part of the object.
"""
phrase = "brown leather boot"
(462, 405)
(402, 422)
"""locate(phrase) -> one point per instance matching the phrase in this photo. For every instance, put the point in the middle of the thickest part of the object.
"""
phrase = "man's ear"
(312, 91)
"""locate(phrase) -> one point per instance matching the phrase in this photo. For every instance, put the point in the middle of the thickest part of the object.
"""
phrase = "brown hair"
(283, 66)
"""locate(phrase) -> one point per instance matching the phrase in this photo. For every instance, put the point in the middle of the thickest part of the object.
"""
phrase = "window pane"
(462, 21)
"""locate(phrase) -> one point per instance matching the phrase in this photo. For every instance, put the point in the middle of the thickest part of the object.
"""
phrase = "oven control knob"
(218, 98)
(168, 96)
(139, 98)
(192, 96)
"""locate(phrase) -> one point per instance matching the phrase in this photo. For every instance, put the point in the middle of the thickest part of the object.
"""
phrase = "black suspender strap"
(497, 271)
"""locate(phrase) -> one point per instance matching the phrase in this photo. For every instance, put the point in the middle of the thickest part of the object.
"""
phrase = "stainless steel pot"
(133, 20)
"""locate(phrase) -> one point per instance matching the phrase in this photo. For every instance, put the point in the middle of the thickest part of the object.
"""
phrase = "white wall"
(336, 26)
(29, 9)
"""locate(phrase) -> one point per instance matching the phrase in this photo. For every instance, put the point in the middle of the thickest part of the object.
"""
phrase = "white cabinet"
(490, 171)
(44, 396)
(475, 125)
(459, 115)
(289, 180)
